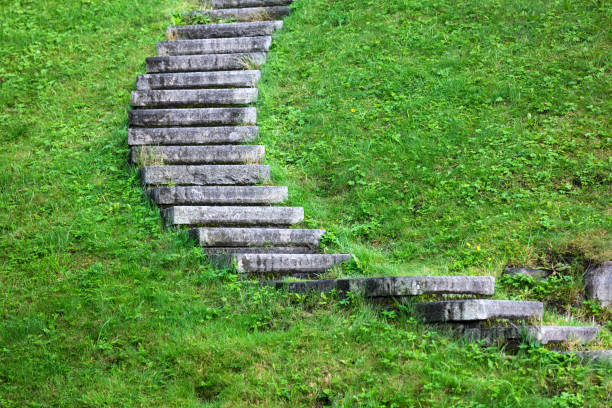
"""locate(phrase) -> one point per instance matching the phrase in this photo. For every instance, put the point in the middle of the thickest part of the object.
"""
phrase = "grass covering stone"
(474, 122)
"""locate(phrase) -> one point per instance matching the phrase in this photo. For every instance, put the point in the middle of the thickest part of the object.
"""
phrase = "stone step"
(223, 30)
(256, 237)
(541, 334)
(245, 14)
(194, 80)
(218, 195)
(210, 62)
(192, 117)
(600, 356)
(190, 97)
(192, 135)
(287, 264)
(224, 4)
(395, 286)
(204, 175)
(470, 310)
(232, 216)
(215, 46)
(248, 154)
(222, 252)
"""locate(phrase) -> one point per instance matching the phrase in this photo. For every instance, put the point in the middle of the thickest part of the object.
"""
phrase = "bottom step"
(541, 334)
(479, 309)
(600, 356)
(390, 286)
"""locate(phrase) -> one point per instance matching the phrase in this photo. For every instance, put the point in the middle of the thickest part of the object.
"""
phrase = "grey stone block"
(287, 264)
(600, 356)
(479, 309)
(215, 46)
(224, 4)
(222, 255)
(205, 175)
(210, 62)
(194, 80)
(233, 215)
(531, 273)
(396, 286)
(223, 30)
(541, 334)
(189, 97)
(598, 283)
(246, 14)
(192, 135)
(192, 117)
(248, 154)
(256, 237)
(198, 195)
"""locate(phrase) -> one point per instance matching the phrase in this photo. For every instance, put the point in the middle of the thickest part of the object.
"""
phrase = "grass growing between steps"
(101, 307)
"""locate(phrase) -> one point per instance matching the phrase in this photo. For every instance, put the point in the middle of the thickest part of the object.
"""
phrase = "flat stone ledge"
(215, 46)
(478, 310)
(396, 286)
(256, 237)
(600, 356)
(232, 215)
(228, 195)
(224, 4)
(192, 135)
(156, 98)
(223, 30)
(287, 264)
(192, 117)
(209, 62)
(193, 80)
(200, 175)
(246, 14)
(248, 154)
(221, 256)
(541, 334)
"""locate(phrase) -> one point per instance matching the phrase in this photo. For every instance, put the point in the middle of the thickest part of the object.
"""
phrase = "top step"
(225, 4)
(225, 30)
(245, 14)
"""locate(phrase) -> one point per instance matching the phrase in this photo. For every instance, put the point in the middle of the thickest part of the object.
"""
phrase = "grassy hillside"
(480, 122)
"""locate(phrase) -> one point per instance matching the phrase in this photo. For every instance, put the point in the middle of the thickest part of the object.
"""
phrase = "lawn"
(407, 129)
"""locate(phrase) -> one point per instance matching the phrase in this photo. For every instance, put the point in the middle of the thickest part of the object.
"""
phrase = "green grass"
(102, 307)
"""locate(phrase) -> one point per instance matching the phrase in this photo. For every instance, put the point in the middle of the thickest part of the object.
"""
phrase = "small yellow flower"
(468, 244)
(489, 258)
(353, 110)
(478, 247)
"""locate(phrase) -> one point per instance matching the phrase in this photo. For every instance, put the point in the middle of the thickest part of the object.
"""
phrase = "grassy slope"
(100, 307)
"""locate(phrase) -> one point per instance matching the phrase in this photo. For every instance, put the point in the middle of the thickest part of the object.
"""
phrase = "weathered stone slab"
(232, 215)
(246, 14)
(209, 62)
(256, 237)
(194, 80)
(215, 46)
(223, 30)
(600, 356)
(396, 286)
(531, 273)
(598, 283)
(192, 117)
(223, 4)
(190, 97)
(198, 195)
(191, 135)
(205, 175)
(288, 263)
(248, 154)
(479, 309)
(222, 256)
(541, 334)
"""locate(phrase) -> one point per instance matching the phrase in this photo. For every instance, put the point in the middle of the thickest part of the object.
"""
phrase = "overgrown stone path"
(191, 121)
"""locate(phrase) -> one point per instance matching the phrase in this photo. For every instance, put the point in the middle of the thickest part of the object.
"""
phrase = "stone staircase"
(191, 119)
